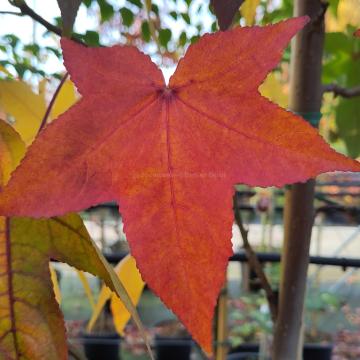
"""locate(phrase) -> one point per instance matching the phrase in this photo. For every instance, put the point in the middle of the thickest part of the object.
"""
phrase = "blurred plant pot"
(244, 351)
(102, 346)
(310, 352)
(173, 348)
(317, 351)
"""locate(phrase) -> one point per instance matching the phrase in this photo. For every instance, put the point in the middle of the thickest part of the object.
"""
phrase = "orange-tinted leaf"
(170, 155)
(225, 11)
(31, 324)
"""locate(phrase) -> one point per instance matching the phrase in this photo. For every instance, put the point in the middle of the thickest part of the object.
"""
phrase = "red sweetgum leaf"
(170, 155)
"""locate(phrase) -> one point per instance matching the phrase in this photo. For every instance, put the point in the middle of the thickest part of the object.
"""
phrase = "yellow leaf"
(42, 87)
(12, 150)
(274, 90)
(55, 282)
(5, 71)
(87, 288)
(104, 296)
(130, 277)
(65, 99)
(27, 108)
(248, 11)
(348, 13)
(38, 319)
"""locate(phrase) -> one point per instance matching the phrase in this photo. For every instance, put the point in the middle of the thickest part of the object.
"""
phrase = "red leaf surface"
(357, 33)
(170, 155)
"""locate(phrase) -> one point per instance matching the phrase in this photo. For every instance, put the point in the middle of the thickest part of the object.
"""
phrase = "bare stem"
(52, 102)
(26, 10)
(255, 264)
(11, 13)
(341, 91)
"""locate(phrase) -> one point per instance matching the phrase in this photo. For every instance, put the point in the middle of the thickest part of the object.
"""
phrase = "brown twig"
(341, 91)
(26, 10)
(11, 13)
(254, 262)
(52, 102)
(318, 20)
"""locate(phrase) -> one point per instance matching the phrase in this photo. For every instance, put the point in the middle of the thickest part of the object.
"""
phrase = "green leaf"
(164, 37)
(194, 39)
(87, 3)
(173, 14)
(348, 124)
(186, 18)
(106, 10)
(348, 110)
(145, 31)
(127, 16)
(91, 38)
(337, 41)
(214, 26)
(182, 39)
(333, 6)
(155, 9)
(33, 49)
(12, 40)
(54, 50)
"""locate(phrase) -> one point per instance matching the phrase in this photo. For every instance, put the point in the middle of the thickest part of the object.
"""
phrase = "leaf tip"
(301, 21)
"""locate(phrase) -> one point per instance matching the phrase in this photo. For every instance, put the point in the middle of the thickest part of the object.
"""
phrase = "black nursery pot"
(317, 352)
(310, 352)
(102, 346)
(244, 352)
(167, 348)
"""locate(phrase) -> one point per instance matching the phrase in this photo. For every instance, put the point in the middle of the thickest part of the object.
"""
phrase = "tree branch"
(26, 10)
(341, 91)
(254, 262)
(319, 18)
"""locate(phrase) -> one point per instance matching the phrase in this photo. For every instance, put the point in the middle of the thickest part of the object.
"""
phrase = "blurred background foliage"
(165, 28)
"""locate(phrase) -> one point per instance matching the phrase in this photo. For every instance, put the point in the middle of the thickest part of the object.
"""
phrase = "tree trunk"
(305, 99)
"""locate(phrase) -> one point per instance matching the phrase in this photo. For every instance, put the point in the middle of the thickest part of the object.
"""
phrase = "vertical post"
(221, 326)
(305, 98)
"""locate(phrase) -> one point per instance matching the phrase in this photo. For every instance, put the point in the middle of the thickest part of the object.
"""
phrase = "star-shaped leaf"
(170, 155)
